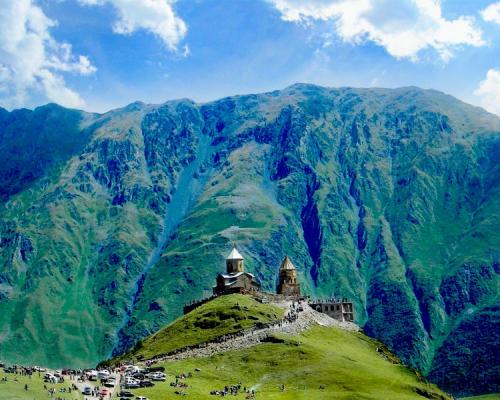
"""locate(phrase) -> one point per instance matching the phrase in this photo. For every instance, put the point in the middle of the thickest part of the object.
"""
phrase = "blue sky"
(102, 54)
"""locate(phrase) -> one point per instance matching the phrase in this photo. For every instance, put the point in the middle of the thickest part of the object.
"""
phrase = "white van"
(103, 374)
(92, 375)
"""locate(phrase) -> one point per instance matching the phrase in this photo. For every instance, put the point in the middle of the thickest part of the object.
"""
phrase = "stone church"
(236, 280)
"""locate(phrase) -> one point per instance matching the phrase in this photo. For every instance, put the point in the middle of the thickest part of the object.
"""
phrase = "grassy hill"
(320, 363)
(221, 316)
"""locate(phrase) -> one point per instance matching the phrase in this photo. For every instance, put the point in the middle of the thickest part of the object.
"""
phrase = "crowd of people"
(65, 380)
(178, 380)
(234, 390)
(52, 392)
(293, 313)
(95, 391)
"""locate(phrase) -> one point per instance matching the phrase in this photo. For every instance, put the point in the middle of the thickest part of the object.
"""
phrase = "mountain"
(320, 362)
(110, 223)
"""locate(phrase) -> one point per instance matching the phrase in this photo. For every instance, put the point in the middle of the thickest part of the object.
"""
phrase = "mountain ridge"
(389, 196)
(297, 85)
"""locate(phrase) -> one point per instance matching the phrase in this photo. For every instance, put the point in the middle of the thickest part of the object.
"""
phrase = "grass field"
(221, 316)
(322, 363)
(14, 390)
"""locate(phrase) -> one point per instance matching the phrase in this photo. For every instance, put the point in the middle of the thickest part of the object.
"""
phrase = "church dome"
(234, 255)
(286, 264)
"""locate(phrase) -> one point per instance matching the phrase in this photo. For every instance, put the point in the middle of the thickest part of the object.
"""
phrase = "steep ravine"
(188, 187)
(311, 226)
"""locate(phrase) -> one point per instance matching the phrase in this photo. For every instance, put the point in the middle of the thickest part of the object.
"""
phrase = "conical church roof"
(286, 264)
(234, 255)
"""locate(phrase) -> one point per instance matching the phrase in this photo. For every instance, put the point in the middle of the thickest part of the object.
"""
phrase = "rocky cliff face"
(389, 197)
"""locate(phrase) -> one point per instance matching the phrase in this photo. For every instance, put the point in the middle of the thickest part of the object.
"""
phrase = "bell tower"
(234, 262)
(288, 285)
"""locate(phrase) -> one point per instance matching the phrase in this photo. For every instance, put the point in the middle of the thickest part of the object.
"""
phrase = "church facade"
(235, 280)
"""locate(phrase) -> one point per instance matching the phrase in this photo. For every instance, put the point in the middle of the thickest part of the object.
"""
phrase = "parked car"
(87, 391)
(103, 392)
(156, 369)
(53, 378)
(141, 398)
(125, 394)
(133, 369)
(59, 377)
(110, 382)
(103, 374)
(131, 383)
(92, 375)
(146, 383)
(158, 376)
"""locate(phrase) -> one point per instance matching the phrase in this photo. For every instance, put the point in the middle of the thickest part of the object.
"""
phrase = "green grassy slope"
(346, 365)
(13, 388)
(221, 316)
(449, 366)
(74, 244)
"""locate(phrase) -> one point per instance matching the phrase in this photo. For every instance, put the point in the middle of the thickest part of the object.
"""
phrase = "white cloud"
(31, 60)
(488, 91)
(155, 16)
(492, 13)
(403, 27)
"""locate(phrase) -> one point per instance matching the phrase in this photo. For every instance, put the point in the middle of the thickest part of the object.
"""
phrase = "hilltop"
(110, 223)
(320, 362)
(224, 315)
